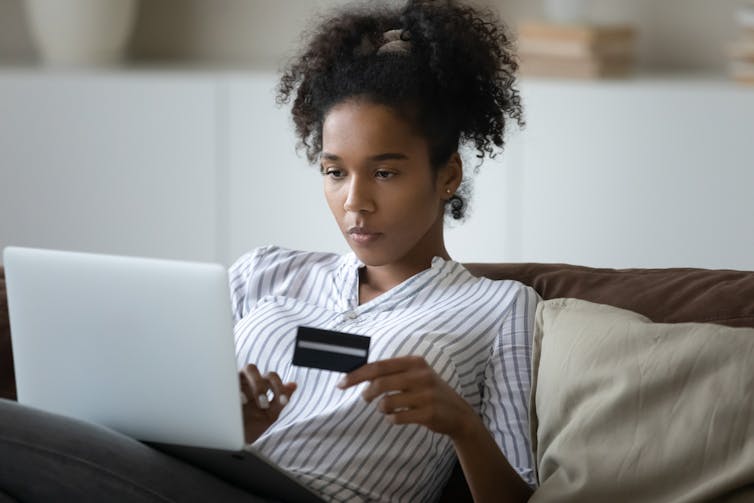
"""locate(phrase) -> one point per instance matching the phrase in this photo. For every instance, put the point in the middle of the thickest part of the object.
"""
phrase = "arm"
(259, 412)
(488, 473)
(507, 384)
(412, 393)
(409, 391)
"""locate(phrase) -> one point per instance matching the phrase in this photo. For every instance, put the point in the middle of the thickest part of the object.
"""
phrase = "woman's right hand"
(259, 412)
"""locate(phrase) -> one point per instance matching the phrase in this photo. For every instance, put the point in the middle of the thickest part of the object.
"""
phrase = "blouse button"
(351, 315)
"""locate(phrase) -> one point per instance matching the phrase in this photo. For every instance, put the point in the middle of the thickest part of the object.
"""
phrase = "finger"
(290, 387)
(396, 402)
(280, 397)
(374, 370)
(410, 416)
(401, 381)
(245, 388)
(258, 385)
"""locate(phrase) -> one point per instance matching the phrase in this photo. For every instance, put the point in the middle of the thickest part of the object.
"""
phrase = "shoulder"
(512, 303)
(504, 294)
(270, 258)
(271, 270)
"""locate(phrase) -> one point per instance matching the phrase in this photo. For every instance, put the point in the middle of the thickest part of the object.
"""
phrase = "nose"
(359, 198)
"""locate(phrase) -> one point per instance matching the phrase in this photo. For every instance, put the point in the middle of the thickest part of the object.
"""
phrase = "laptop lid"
(143, 346)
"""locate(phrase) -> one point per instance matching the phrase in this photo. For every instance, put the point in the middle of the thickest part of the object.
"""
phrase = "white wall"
(110, 163)
(648, 173)
(275, 195)
(202, 166)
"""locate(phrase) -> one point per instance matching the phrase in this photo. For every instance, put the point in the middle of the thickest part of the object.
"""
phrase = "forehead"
(363, 127)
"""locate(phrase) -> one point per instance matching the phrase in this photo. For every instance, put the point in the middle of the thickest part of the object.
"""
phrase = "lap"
(46, 457)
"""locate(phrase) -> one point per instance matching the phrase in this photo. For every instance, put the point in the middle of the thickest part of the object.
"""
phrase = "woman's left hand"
(411, 392)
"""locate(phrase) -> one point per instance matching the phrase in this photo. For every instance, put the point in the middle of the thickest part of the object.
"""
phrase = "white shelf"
(643, 78)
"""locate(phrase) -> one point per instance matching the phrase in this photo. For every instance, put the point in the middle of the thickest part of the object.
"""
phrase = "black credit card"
(330, 350)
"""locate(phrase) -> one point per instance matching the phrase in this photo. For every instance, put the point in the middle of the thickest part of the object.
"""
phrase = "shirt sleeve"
(507, 385)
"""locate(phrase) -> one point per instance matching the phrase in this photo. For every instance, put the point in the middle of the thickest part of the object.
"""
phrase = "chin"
(372, 258)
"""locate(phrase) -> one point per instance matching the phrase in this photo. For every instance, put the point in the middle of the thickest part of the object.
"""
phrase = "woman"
(382, 99)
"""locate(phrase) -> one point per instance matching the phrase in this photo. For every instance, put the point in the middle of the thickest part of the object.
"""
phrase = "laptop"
(143, 346)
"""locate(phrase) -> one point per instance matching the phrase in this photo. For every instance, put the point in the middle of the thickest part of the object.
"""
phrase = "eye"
(383, 174)
(332, 172)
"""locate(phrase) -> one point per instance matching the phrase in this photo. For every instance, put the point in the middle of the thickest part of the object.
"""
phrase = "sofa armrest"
(7, 379)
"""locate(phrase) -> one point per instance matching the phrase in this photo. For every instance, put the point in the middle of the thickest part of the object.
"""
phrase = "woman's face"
(380, 187)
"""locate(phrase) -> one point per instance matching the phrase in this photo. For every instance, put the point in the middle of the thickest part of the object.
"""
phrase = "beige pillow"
(624, 409)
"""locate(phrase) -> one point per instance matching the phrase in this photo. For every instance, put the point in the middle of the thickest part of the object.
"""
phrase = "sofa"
(680, 300)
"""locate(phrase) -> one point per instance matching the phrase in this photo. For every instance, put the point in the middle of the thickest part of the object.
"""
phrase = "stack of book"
(576, 50)
(742, 50)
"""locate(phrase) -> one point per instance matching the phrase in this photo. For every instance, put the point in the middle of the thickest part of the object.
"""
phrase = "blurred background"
(173, 146)
(675, 34)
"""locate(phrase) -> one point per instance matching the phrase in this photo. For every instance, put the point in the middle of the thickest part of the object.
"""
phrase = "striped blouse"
(474, 332)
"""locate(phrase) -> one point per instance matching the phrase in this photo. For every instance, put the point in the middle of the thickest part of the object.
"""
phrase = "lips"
(363, 235)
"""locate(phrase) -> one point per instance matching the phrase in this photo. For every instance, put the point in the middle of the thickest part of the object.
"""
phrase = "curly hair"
(456, 83)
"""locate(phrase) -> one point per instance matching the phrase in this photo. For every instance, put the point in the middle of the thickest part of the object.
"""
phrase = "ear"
(450, 176)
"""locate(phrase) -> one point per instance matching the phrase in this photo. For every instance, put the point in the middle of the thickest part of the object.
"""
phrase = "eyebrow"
(387, 156)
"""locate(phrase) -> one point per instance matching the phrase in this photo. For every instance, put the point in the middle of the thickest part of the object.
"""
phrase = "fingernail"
(283, 400)
(244, 400)
(342, 383)
(264, 403)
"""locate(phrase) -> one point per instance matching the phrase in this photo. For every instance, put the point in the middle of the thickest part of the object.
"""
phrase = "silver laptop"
(143, 346)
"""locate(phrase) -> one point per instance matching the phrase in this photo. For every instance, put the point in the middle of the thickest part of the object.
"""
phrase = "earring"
(447, 191)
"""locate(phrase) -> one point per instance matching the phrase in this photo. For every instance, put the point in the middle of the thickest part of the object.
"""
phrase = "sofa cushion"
(624, 409)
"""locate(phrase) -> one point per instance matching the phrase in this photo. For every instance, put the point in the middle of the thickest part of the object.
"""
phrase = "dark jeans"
(46, 457)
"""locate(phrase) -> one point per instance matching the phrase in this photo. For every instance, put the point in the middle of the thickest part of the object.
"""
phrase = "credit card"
(330, 350)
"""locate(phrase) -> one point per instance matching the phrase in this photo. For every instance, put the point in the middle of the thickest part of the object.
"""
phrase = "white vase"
(566, 11)
(81, 32)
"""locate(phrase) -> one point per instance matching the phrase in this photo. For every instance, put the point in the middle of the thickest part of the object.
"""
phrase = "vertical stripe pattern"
(476, 334)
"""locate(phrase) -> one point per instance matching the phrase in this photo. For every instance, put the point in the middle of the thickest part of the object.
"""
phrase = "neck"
(383, 278)
(375, 280)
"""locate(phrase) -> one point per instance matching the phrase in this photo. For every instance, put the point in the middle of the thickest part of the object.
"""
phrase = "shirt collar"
(349, 278)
